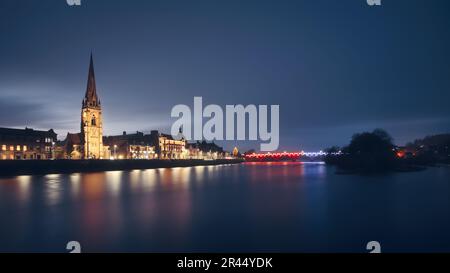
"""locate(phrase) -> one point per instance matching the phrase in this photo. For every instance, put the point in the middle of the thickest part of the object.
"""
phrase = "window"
(18, 148)
(24, 148)
(93, 121)
(11, 148)
(3, 147)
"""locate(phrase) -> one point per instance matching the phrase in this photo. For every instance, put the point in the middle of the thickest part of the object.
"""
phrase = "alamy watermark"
(374, 247)
(374, 2)
(235, 123)
(73, 2)
(74, 247)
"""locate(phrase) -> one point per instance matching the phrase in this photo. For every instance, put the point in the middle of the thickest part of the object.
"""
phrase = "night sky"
(334, 67)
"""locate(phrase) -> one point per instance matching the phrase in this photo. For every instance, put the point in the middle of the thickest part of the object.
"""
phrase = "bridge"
(291, 156)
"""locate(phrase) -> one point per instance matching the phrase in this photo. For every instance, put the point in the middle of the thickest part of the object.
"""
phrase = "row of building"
(26, 144)
(142, 146)
(19, 144)
(90, 143)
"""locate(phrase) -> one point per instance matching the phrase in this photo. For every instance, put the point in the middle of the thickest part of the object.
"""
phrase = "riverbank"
(36, 167)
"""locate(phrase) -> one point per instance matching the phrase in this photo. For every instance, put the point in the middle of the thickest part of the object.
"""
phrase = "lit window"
(24, 148)
(11, 148)
(18, 148)
(3, 147)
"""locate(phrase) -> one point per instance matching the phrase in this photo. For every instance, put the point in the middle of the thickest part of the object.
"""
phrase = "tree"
(371, 152)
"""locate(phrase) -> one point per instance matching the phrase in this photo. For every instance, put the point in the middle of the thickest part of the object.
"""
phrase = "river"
(263, 207)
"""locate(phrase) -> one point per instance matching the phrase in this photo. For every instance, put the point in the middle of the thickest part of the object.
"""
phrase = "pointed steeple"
(91, 98)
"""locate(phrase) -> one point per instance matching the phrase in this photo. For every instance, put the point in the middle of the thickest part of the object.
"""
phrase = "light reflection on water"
(53, 188)
(283, 206)
(24, 187)
(75, 184)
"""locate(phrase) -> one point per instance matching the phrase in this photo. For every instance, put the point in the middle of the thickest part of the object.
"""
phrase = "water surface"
(276, 207)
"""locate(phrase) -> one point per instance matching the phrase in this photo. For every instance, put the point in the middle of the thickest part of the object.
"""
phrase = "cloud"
(16, 112)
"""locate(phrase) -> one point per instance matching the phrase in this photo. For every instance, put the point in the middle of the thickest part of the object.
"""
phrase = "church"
(89, 143)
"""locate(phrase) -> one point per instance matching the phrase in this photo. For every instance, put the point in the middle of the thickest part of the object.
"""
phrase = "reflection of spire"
(90, 98)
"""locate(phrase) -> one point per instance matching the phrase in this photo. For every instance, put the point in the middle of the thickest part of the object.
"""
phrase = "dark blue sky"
(334, 67)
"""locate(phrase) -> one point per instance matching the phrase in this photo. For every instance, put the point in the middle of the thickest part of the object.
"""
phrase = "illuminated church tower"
(91, 120)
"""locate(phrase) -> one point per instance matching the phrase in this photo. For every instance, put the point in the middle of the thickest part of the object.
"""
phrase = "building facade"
(167, 147)
(206, 151)
(70, 147)
(17, 144)
(130, 146)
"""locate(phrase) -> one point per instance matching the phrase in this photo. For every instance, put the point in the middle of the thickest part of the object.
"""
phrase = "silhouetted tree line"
(367, 152)
(375, 152)
(429, 150)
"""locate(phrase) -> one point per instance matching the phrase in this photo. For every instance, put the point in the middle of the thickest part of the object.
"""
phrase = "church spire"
(91, 98)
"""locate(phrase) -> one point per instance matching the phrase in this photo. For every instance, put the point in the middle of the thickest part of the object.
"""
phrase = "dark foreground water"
(287, 207)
